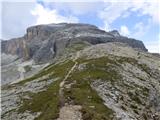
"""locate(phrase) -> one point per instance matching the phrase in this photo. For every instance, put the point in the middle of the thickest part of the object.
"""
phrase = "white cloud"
(116, 9)
(153, 46)
(81, 8)
(148, 8)
(141, 28)
(46, 16)
(112, 11)
(106, 27)
(124, 30)
(15, 18)
(78, 8)
(126, 14)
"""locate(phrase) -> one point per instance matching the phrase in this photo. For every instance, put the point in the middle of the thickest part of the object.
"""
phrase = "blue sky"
(138, 19)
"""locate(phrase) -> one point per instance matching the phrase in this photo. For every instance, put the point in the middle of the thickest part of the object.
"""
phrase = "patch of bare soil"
(70, 112)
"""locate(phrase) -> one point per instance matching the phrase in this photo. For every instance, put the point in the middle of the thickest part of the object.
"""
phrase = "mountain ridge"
(50, 40)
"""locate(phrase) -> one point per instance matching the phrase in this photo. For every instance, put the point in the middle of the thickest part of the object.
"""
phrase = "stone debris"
(70, 112)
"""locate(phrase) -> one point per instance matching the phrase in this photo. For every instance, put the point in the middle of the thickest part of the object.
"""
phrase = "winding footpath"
(68, 112)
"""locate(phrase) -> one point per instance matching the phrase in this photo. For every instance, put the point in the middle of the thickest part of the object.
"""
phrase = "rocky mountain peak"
(115, 33)
(44, 42)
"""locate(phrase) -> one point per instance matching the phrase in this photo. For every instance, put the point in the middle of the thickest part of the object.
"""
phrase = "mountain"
(78, 72)
(44, 42)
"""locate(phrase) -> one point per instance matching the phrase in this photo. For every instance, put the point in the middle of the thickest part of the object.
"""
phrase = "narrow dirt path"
(61, 94)
(68, 112)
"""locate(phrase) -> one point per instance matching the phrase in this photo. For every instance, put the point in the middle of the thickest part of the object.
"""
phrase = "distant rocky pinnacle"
(44, 42)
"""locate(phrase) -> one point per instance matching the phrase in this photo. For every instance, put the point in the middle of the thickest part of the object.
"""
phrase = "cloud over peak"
(46, 16)
(124, 30)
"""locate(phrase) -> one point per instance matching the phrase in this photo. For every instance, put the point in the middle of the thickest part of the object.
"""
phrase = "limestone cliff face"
(44, 42)
(16, 47)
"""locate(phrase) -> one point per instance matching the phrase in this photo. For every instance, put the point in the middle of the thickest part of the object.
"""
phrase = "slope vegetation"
(108, 81)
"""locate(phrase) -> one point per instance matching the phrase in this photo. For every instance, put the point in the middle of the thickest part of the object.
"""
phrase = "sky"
(139, 19)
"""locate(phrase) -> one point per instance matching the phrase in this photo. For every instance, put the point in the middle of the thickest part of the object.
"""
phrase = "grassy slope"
(104, 69)
(81, 93)
(46, 102)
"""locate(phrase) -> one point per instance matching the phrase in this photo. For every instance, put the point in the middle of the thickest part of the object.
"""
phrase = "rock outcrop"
(44, 42)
